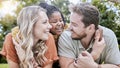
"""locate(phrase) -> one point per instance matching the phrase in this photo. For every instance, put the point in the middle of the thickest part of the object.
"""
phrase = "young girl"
(57, 22)
(56, 19)
(31, 50)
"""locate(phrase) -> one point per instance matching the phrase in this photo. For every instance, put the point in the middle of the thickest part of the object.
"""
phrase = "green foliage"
(3, 65)
(8, 22)
(63, 6)
(109, 16)
(2, 60)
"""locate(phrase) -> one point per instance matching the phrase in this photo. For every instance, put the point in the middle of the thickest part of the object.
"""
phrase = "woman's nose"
(49, 26)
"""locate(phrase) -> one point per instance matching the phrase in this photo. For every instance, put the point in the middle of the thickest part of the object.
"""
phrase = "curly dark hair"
(51, 9)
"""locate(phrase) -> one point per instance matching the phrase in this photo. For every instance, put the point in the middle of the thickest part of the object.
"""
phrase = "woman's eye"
(44, 22)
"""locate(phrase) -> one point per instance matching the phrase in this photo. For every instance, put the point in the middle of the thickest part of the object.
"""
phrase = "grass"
(3, 65)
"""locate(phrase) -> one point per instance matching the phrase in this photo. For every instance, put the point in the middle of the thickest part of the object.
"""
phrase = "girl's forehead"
(55, 14)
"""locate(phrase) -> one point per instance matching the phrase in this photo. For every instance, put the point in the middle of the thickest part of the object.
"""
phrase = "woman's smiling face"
(42, 27)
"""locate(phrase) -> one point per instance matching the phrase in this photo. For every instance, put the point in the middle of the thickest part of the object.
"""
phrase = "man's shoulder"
(66, 34)
(109, 36)
(107, 32)
(67, 31)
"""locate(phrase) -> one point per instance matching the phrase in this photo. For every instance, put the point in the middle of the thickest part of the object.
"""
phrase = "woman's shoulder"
(9, 49)
(50, 38)
(9, 35)
(51, 53)
(8, 41)
(8, 38)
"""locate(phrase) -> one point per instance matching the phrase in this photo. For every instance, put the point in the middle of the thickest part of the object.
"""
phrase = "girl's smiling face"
(57, 23)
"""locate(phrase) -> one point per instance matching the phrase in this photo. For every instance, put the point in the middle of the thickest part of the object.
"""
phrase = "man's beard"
(80, 37)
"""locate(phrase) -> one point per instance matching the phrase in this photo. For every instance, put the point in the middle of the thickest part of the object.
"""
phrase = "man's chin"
(75, 38)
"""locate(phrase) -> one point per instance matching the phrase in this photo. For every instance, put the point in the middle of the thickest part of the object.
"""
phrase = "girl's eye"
(54, 22)
(61, 20)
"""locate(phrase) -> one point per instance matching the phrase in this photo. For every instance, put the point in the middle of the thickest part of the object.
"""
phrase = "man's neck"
(86, 41)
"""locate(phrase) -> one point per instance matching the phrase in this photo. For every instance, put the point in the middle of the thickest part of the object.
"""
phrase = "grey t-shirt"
(67, 47)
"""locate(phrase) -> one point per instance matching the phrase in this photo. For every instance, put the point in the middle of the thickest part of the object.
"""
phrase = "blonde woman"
(34, 46)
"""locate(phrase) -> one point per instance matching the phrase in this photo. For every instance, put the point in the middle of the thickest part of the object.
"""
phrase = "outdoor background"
(9, 9)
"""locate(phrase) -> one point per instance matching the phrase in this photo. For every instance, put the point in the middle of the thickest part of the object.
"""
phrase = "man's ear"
(99, 33)
(91, 27)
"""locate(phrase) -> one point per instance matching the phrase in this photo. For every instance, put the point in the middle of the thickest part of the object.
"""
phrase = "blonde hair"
(27, 17)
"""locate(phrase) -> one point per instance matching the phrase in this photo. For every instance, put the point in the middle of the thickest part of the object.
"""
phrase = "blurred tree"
(8, 22)
(110, 15)
(63, 6)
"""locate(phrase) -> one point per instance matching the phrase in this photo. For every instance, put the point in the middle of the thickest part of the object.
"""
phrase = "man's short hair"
(89, 12)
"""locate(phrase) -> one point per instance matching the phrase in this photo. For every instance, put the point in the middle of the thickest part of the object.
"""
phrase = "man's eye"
(74, 24)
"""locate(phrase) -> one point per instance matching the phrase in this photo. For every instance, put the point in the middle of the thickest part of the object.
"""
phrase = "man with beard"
(79, 45)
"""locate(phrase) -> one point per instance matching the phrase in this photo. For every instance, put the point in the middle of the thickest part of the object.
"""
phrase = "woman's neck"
(35, 41)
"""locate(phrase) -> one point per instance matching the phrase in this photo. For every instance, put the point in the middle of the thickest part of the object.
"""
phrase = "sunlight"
(8, 7)
(74, 1)
(78, 1)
